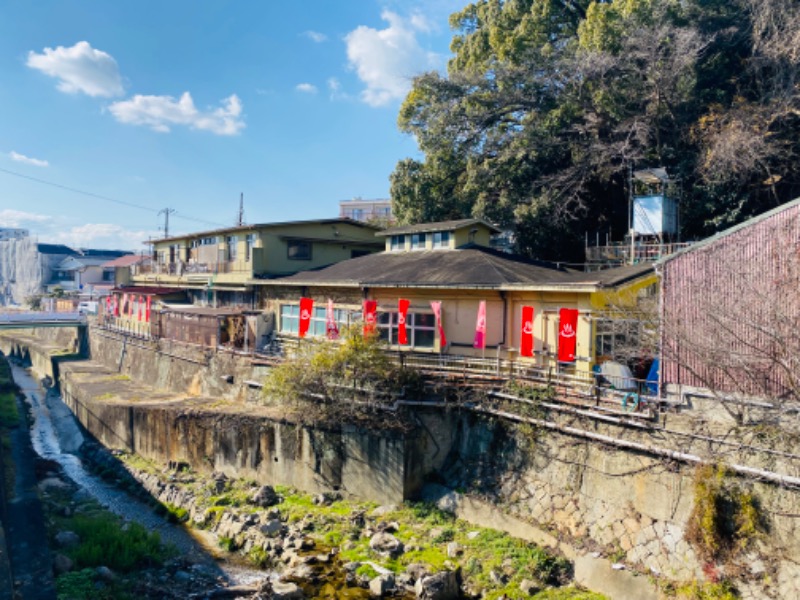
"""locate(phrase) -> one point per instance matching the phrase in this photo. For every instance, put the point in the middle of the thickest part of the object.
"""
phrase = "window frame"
(419, 241)
(443, 240)
(290, 244)
(397, 243)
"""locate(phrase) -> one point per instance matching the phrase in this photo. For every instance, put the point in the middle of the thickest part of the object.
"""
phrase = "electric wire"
(107, 198)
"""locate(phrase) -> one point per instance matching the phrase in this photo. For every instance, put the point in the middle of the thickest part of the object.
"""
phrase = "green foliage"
(176, 514)
(227, 543)
(9, 414)
(105, 541)
(334, 374)
(546, 105)
(80, 585)
(723, 590)
(725, 519)
(367, 571)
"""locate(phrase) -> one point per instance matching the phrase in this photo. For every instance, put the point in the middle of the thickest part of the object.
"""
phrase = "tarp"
(619, 376)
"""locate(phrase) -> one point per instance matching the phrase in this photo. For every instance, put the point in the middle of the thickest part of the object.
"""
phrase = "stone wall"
(598, 499)
(581, 496)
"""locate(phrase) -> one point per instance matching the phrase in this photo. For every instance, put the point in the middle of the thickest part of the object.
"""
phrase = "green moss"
(725, 519)
(9, 415)
(723, 590)
(80, 585)
(367, 571)
(105, 541)
(567, 593)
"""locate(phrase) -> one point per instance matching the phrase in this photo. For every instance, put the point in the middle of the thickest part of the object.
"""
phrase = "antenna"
(240, 220)
(166, 212)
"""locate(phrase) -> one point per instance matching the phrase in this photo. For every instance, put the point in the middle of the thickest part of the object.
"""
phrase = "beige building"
(452, 263)
(223, 265)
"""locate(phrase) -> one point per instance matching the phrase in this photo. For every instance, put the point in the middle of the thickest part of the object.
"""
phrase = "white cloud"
(316, 36)
(18, 218)
(306, 88)
(335, 89)
(386, 59)
(100, 235)
(80, 68)
(28, 160)
(162, 112)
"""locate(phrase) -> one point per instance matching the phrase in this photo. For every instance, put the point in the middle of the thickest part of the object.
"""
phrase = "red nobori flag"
(437, 312)
(147, 309)
(306, 306)
(115, 305)
(331, 328)
(402, 315)
(480, 326)
(370, 310)
(140, 308)
(568, 326)
(526, 332)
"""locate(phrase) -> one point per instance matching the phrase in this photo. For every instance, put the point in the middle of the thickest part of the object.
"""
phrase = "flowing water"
(56, 436)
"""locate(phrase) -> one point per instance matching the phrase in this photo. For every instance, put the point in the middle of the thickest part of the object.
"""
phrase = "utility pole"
(166, 212)
(240, 220)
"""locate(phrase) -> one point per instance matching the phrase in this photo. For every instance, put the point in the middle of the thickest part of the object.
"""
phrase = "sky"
(111, 112)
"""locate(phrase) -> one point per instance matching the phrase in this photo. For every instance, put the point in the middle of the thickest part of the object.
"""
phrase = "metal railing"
(621, 252)
(180, 269)
(126, 325)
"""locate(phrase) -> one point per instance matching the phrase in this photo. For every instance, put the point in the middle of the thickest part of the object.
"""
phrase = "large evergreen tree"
(547, 104)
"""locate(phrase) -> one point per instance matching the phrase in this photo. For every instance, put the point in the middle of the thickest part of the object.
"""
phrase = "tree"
(338, 378)
(547, 105)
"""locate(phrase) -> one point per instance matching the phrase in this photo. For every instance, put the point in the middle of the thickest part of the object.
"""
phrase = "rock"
(105, 574)
(473, 534)
(182, 576)
(272, 528)
(300, 574)
(62, 564)
(440, 586)
(454, 549)
(381, 585)
(496, 577)
(286, 591)
(351, 567)
(417, 571)
(391, 527)
(386, 544)
(265, 496)
(530, 587)
(384, 510)
(220, 482)
(67, 539)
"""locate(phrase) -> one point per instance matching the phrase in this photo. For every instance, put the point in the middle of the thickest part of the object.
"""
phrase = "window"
(398, 242)
(299, 250)
(418, 241)
(290, 316)
(232, 242)
(208, 241)
(441, 239)
(108, 275)
(618, 339)
(250, 242)
(420, 327)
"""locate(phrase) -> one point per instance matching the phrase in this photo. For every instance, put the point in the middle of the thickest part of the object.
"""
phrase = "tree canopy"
(547, 104)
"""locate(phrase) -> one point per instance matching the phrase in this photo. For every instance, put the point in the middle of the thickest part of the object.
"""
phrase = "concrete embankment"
(593, 501)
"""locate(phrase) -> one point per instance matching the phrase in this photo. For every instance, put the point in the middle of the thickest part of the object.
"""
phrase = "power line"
(106, 198)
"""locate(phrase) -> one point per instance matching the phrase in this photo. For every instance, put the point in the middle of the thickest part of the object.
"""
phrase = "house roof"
(250, 227)
(127, 260)
(470, 267)
(436, 226)
(731, 230)
(74, 263)
(148, 290)
(54, 249)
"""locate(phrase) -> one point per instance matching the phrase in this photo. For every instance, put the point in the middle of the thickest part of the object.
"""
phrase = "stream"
(56, 436)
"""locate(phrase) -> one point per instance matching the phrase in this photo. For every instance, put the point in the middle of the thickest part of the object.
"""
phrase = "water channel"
(56, 436)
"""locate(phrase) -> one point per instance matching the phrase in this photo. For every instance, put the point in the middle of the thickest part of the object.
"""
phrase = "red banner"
(526, 332)
(115, 305)
(147, 309)
(567, 328)
(370, 310)
(140, 307)
(402, 315)
(480, 326)
(306, 306)
(331, 328)
(437, 311)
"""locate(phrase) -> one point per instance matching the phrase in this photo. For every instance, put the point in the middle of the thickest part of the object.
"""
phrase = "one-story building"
(489, 303)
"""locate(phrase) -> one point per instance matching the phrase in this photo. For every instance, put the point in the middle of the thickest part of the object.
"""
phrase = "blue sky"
(186, 104)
